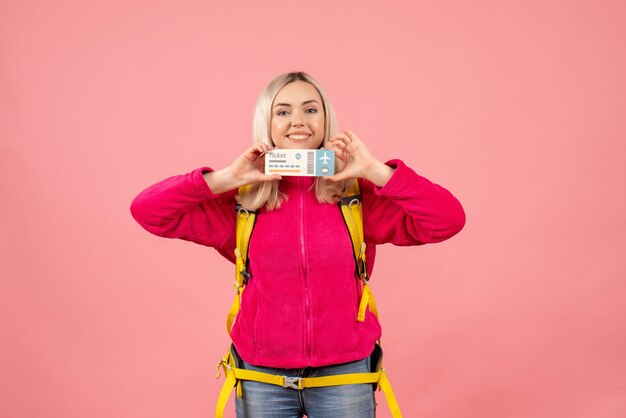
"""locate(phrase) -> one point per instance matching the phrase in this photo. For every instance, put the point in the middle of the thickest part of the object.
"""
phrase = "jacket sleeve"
(409, 210)
(184, 207)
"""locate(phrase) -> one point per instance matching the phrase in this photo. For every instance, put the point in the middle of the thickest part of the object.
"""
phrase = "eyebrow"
(287, 104)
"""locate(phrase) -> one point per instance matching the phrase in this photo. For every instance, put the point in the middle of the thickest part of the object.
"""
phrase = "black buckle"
(239, 208)
(246, 276)
(346, 201)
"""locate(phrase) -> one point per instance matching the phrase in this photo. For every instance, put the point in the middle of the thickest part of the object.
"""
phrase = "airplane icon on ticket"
(325, 158)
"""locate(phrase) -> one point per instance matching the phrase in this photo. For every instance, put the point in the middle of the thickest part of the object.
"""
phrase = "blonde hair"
(267, 193)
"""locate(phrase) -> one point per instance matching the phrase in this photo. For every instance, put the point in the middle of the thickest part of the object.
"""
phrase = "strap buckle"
(350, 200)
(246, 276)
(223, 366)
(292, 382)
(242, 209)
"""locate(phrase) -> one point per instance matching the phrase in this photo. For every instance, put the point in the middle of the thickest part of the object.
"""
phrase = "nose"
(296, 119)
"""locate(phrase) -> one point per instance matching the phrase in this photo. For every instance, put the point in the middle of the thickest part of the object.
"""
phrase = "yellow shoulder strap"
(352, 212)
(245, 224)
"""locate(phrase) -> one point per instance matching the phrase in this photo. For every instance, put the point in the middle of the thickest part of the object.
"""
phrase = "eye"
(311, 110)
(281, 113)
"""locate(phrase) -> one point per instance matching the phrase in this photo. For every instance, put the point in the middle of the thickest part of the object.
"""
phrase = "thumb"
(265, 177)
(337, 177)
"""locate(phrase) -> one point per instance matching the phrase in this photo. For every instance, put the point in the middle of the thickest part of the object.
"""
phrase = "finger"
(251, 154)
(343, 172)
(348, 148)
(356, 144)
(338, 177)
(272, 177)
(337, 137)
(342, 138)
(256, 149)
(259, 150)
(351, 144)
(265, 147)
(338, 145)
(339, 149)
(351, 135)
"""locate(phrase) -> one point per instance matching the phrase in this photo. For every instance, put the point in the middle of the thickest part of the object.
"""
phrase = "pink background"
(516, 107)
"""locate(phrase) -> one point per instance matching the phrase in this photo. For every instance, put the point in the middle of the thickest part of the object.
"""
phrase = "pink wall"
(516, 107)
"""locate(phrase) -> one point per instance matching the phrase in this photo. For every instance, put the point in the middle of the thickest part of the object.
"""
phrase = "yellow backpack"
(351, 210)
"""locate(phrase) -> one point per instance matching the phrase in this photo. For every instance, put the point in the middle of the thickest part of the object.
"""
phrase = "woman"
(298, 313)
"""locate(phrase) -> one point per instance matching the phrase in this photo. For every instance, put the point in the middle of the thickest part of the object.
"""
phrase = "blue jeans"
(263, 400)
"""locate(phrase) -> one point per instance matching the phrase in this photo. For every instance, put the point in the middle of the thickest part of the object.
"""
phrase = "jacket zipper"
(307, 345)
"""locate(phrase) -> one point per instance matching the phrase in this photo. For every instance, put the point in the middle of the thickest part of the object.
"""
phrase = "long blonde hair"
(267, 193)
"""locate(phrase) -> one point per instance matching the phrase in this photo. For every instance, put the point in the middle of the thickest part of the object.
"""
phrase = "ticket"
(300, 162)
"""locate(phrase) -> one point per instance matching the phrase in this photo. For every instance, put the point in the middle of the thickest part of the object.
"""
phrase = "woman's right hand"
(247, 168)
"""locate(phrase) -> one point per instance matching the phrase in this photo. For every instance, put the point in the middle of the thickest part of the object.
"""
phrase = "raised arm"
(200, 206)
(399, 206)
(409, 209)
(185, 207)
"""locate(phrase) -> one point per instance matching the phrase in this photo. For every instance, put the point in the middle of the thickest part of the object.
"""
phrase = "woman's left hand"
(356, 161)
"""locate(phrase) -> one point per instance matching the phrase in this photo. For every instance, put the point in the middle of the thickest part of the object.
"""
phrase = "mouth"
(299, 137)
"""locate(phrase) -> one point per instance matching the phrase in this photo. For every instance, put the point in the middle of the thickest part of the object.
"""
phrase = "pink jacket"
(300, 306)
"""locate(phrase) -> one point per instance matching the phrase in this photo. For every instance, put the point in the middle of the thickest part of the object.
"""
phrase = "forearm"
(222, 180)
(379, 174)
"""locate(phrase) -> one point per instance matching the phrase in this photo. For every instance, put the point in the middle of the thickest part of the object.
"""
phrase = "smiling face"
(297, 117)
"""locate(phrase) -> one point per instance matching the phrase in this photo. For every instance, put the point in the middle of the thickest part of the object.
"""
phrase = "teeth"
(298, 136)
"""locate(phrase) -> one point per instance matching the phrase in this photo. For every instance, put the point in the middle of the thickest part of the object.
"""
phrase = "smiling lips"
(298, 136)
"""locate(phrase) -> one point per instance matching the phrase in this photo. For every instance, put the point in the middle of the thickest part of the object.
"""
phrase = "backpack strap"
(245, 224)
(352, 211)
(231, 366)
